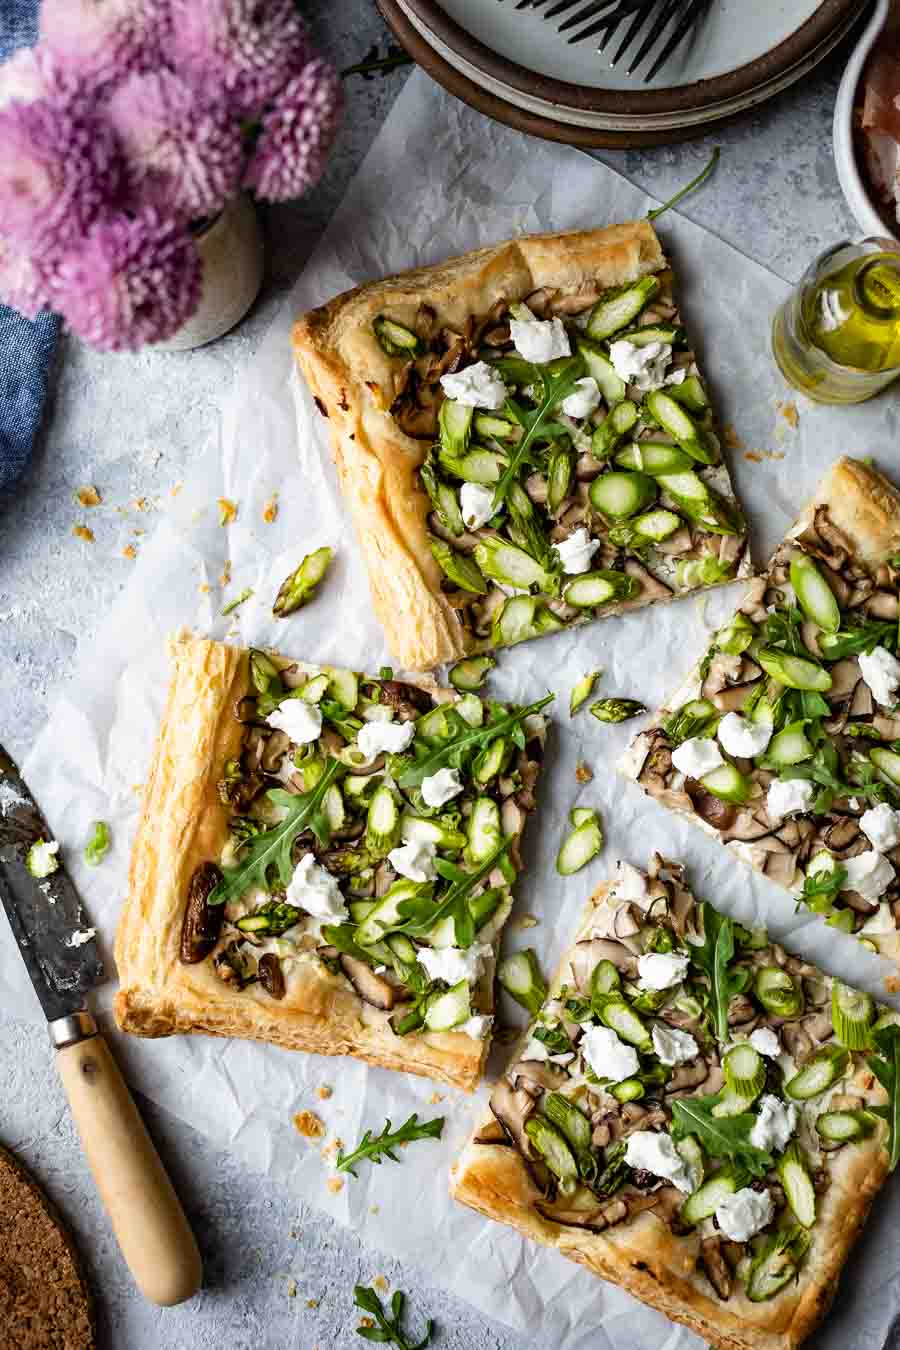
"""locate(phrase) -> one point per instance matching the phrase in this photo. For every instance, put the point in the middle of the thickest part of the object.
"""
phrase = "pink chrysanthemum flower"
(103, 40)
(59, 166)
(240, 48)
(26, 76)
(23, 284)
(134, 280)
(297, 133)
(181, 153)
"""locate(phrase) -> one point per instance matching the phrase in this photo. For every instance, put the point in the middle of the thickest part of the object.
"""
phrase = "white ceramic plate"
(854, 186)
(735, 33)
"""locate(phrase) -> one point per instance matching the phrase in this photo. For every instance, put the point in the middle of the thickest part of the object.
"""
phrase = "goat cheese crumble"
(441, 787)
(315, 890)
(881, 672)
(787, 795)
(739, 736)
(609, 1057)
(576, 552)
(673, 1046)
(539, 340)
(651, 1152)
(662, 970)
(775, 1124)
(476, 504)
(742, 1215)
(392, 738)
(644, 367)
(584, 398)
(414, 860)
(301, 722)
(453, 964)
(881, 826)
(765, 1042)
(868, 874)
(697, 756)
(476, 386)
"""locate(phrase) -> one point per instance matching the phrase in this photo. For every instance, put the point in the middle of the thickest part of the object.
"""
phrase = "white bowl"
(853, 184)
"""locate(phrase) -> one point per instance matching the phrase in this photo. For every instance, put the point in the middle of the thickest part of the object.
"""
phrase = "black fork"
(669, 21)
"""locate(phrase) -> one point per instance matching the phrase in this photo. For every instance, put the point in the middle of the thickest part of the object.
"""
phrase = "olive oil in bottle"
(837, 337)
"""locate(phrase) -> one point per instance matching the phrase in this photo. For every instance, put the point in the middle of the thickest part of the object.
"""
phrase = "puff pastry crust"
(183, 823)
(351, 379)
(865, 507)
(645, 1258)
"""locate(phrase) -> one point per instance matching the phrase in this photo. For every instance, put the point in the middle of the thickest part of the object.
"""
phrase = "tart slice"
(783, 742)
(325, 861)
(524, 440)
(694, 1114)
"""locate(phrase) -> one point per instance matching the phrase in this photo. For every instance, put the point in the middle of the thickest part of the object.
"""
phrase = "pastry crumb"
(312, 1303)
(366, 1323)
(141, 504)
(308, 1124)
(204, 588)
(82, 532)
(435, 1098)
(527, 921)
(757, 456)
(376, 1209)
(270, 510)
(129, 551)
(335, 1184)
(332, 1148)
(292, 1288)
(225, 578)
(583, 772)
(324, 1092)
(227, 510)
(789, 413)
(380, 1283)
(88, 496)
(731, 438)
(173, 492)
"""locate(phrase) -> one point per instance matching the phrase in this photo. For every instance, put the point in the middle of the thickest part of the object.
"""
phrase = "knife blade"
(60, 954)
(46, 915)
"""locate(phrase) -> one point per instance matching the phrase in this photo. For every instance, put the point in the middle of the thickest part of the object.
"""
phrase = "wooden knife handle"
(147, 1218)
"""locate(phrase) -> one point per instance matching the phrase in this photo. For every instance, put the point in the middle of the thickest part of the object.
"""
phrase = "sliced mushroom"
(810, 631)
(274, 750)
(202, 921)
(715, 1266)
(463, 543)
(819, 1026)
(234, 965)
(687, 1076)
(720, 814)
(245, 709)
(370, 987)
(882, 605)
(862, 704)
(425, 322)
(797, 1041)
(741, 1010)
(271, 975)
(587, 467)
(628, 921)
(536, 487)
(651, 588)
(780, 868)
(492, 1133)
(512, 1108)
(539, 301)
(366, 770)
(535, 1076)
(589, 954)
(408, 699)
(887, 727)
(595, 1219)
(576, 303)
(842, 835)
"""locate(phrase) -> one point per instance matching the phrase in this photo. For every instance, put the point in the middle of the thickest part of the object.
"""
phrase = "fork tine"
(691, 15)
(586, 12)
(609, 23)
(562, 5)
(658, 28)
(634, 29)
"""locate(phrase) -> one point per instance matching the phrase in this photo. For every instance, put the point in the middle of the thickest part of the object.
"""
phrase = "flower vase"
(231, 250)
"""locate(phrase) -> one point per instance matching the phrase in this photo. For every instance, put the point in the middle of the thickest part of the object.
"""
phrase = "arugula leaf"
(721, 1137)
(468, 739)
(97, 847)
(683, 725)
(712, 955)
(824, 769)
(555, 385)
(859, 638)
(823, 885)
(388, 1331)
(886, 1068)
(417, 916)
(273, 847)
(555, 1039)
(382, 1146)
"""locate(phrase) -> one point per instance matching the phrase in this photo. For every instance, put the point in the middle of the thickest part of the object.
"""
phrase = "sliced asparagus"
(484, 833)
(616, 425)
(653, 332)
(600, 588)
(582, 691)
(616, 709)
(470, 674)
(654, 457)
(797, 1184)
(620, 493)
(794, 671)
(691, 393)
(521, 977)
(579, 847)
(679, 423)
(475, 466)
(462, 570)
(511, 565)
(827, 1066)
(620, 307)
(455, 427)
(560, 473)
(852, 1014)
(598, 364)
(449, 1010)
(815, 596)
(443, 499)
(778, 992)
(395, 338)
(382, 823)
(298, 589)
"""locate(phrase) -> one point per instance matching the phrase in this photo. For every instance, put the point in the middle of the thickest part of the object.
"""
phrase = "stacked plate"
(516, 66)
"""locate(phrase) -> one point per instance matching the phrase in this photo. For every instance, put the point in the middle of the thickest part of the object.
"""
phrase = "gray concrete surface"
(130, 425)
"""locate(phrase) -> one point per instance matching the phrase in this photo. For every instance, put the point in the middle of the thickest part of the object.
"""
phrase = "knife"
(61, 957)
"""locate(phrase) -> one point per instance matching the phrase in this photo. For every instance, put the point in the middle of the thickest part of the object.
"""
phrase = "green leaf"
(721, 1137)
(272, 848)
(713, 956)
(97, 847)
(467, 740)
(418, 916)
(688, 187)
(389, 1330)
(858, 638)
(375, 1149)
(886, 1068)
(555, 385)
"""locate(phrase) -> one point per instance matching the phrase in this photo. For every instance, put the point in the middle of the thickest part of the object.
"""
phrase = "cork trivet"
(45, 1303)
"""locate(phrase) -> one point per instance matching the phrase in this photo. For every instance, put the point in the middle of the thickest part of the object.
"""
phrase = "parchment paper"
(440, 179)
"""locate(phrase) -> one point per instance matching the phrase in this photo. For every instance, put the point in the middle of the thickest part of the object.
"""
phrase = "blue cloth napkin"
(26, 348)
